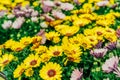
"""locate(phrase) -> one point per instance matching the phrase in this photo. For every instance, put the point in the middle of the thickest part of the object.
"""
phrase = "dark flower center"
(56, 53)
(18, 49)
(68, 34)
(33, 62)
(5, 62)
(51, 73)
(99, 33)
(70, 58)
(26, 43)
(46, 59)
(22, 70)
(84, 44)
(91, 40)
(109, 31)
(73, 51)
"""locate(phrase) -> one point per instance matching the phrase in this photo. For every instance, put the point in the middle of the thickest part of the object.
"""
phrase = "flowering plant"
(60, 39)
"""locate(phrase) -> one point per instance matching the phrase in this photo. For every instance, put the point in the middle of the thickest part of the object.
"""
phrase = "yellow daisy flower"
(52, 35)
(88, 32)
(6, 2)
(93, 1)
(35, 3)
(109, 31)
(86, 43)
(26, 40)
(45, 57)
(9, 43)
(99, 31)
(60, 27)
(65, 40)
(55, 51)
(35, 46)
(81, 1)
(17, 46)
(36, 39)
(81, 22)
(29, 72)
(56, 39)
(67, 30)
(51, 71)
(87, 7)
(88, 16)
(32, 61)
(41, 49)
(76, 39)
(19, 70)
(74, 59)
(72, 49)
(93, 40)
(56, 22)
(70, 31)
(111, 37)
(116, 14)
(6, 59)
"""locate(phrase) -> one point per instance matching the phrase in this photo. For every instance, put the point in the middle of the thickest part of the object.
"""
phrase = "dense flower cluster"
(60, 39)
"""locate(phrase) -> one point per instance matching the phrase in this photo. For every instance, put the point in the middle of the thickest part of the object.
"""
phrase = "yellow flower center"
(51, 73)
